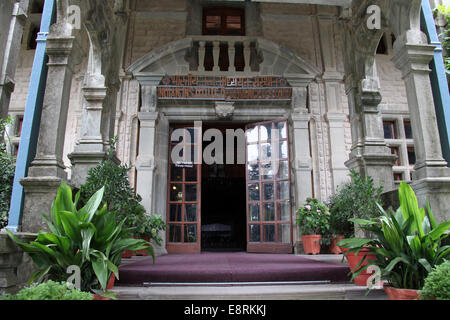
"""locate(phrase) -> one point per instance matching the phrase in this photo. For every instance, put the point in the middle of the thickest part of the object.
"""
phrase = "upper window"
(223, 22)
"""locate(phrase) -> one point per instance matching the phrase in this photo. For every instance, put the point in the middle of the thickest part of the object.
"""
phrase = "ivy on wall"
(443, 13)
(7, 170)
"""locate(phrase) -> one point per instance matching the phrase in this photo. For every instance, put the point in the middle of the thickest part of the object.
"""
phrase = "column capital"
(301, 120)
(413, 58)
(148, 117)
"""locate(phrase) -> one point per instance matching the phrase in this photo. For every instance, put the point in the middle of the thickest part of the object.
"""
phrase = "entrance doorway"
(230, 207)
(223, 204)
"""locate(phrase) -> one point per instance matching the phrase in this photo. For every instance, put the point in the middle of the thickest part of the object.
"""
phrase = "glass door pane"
(269, 212)
(183, 206)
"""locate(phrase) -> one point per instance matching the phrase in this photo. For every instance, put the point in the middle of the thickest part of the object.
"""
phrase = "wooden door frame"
(266, 247)
(183, 247)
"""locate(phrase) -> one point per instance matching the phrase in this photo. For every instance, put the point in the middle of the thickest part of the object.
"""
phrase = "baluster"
(247, 52)
(231, 55)
(201, 56)
(216, 55)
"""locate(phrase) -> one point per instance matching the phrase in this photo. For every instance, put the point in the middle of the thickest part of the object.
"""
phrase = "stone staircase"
(250, 291)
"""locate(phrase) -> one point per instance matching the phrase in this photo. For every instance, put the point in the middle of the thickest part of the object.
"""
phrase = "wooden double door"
(268, 212)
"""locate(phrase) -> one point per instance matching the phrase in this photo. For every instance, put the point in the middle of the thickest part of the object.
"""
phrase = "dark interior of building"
(223, 204)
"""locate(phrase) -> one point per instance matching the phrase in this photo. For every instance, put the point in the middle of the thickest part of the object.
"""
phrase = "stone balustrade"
(228, 55)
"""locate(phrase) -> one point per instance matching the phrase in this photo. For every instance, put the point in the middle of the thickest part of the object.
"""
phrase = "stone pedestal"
(15, 267)
(82, 162)
(39, 195)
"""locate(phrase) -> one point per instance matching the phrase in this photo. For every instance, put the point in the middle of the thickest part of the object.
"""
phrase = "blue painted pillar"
(438, 78)
(32, 116)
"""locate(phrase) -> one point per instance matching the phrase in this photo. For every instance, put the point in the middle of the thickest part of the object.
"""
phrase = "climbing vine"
(7, 170)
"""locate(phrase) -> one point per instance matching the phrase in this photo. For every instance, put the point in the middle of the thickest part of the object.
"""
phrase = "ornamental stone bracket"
(224, 110)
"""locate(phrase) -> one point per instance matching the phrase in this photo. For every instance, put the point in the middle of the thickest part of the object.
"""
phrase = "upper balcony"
(222, 56)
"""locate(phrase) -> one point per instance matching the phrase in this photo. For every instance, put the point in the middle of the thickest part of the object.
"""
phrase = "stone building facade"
(361, 99)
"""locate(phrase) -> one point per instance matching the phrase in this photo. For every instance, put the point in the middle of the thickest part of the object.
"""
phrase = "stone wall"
(155, 23)
(16, 267)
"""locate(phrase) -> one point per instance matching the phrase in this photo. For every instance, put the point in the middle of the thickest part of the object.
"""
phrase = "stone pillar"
(370, 154)
(301, 159)
(145, 162)
(47, 170)
(12, 20)
(412, 56)
(90, 149)
(332, 82)
(149, 158)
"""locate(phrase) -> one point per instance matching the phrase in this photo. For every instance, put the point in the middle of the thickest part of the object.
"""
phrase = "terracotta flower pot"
(99, 297)
(334, 248)
(401, 294)
(311, 244)
(143, 252)
(353, 261)
(127, 254)
(111, 282)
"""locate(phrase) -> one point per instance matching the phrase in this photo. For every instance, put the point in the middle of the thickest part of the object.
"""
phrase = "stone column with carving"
(370, 154)
(90, 149)
(47, 170)
(412, 55)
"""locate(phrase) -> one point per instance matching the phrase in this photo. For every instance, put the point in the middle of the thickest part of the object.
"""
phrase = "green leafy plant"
(313, 218)
(437, 283)
(445, 36)
(356, 199)
(151, 227)
(119, 195)
(407, 243)
(89, 238)
(7, 171)
(49, 290)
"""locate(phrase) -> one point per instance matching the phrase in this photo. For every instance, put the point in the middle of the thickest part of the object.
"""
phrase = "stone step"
(250, 292)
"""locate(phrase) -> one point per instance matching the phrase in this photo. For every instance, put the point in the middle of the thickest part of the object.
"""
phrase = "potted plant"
(90, 238)
(437, 283)
(357, 199)
(340, 225)
(149, 230)
(313, 221)
(406, 246)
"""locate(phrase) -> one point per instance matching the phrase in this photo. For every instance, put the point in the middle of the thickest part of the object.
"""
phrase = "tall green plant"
(407, 243)
(90, 238)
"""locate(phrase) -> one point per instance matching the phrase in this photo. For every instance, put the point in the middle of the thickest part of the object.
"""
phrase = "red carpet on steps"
(230, 267)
